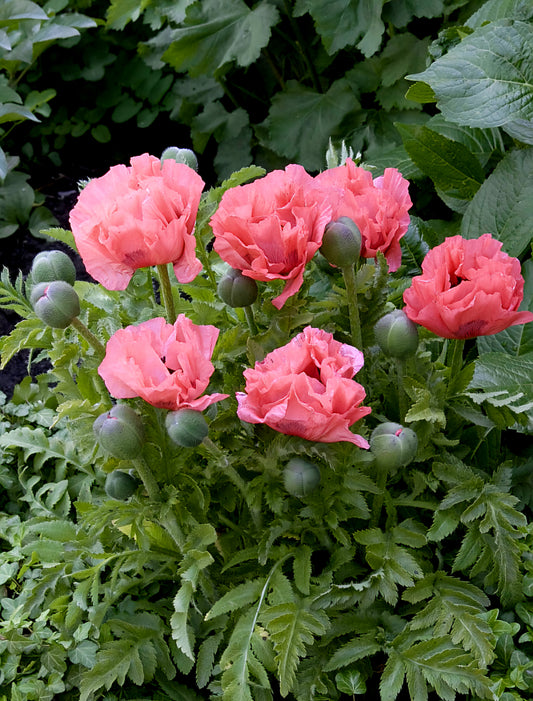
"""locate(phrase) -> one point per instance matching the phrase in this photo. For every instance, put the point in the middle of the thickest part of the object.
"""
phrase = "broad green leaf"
(503, 205)
(350, 682)
(487, 79)
(343, 23)
(451, 166)
(221, 32)
(10, 112)
(401, 13)
(482, 143)
(301, 121)
(21, 9)
(500, 9)
(520, 129)
(120, 12)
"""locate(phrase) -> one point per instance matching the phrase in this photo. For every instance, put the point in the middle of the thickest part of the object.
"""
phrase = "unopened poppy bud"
(120, 431)
(237, 290)
(48, 266)
(186, 427)
(300, 477)
(120, 485)
(56, 303)
(396, 334)
(393, 445)
(341, 243)
(181, 155)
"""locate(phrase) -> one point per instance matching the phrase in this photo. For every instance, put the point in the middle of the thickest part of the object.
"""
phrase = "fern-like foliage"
(432, 664)
(494, 527)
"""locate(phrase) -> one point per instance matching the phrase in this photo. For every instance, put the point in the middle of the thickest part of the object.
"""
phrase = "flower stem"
(249, 312)
(353, 307)
(148, 479)
(402, 396)
(382, 474)
(88, 336)
(455, 360)
(166, 292)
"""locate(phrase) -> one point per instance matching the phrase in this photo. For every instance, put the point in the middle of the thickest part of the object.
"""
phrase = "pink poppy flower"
(378, 206)
(168, 365)
(270, 228)
(306, 389)
(468, 288)
(138, 216)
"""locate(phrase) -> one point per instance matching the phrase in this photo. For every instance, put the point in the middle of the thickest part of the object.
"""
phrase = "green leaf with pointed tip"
(487, 79)
(504, 380)
(301, 121)
(503, 206)
(450, 165)
(343, 23)
(220, 32)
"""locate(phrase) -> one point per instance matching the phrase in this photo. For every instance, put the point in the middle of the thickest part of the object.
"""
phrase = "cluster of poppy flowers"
(144, 215)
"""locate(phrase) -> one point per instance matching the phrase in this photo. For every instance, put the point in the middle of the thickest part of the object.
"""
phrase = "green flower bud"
(393, 445)
(120, 431)
(300, 477)
(341, 243)
(396, 334)
(237, 290)
(56, 303)
(48, 266)
(186, 427)
(120, 485)
(181, 155)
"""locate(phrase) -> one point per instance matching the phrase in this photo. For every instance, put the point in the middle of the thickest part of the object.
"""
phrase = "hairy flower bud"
(181, 155)
(393, 445)
(186, 427)
(237, 290)
(56, 303)
(48, 266)
(341, 243)
(396, 334)
(120, 485)
(120, 431)
(300, 477)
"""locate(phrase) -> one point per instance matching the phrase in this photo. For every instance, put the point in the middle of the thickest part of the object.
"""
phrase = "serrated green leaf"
(342, 23)
(496, 68)
(356, 649)
(503, 380)
(500, 9)
(301, 121)
(503, 206)
(221, 32)
(120, 12)
(242, 595)
(450, 165)
(292, 626)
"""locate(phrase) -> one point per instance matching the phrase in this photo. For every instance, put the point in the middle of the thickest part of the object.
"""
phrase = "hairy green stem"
(402, 396)
(377, 504)
(455, 359)
(88, 336)
(249, 313)
(353, 307)
(166, 292)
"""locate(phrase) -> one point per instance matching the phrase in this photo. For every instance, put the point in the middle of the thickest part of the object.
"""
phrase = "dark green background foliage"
(225, 586)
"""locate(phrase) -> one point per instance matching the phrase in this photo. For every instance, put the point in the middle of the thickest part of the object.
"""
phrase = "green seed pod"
(181, 155)
(393, 445)
(48, 266)
(120, 431)
(300, 477)
(341, 243)
(186, 427)
(120, 485)
(56, 303)
(237, 290)
(396, 334)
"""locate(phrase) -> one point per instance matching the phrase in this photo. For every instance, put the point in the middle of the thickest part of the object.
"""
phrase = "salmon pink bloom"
(306, 389)
(168, 365)
(378, 206)
(137, 216)
(468, 288)
(270, 228)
